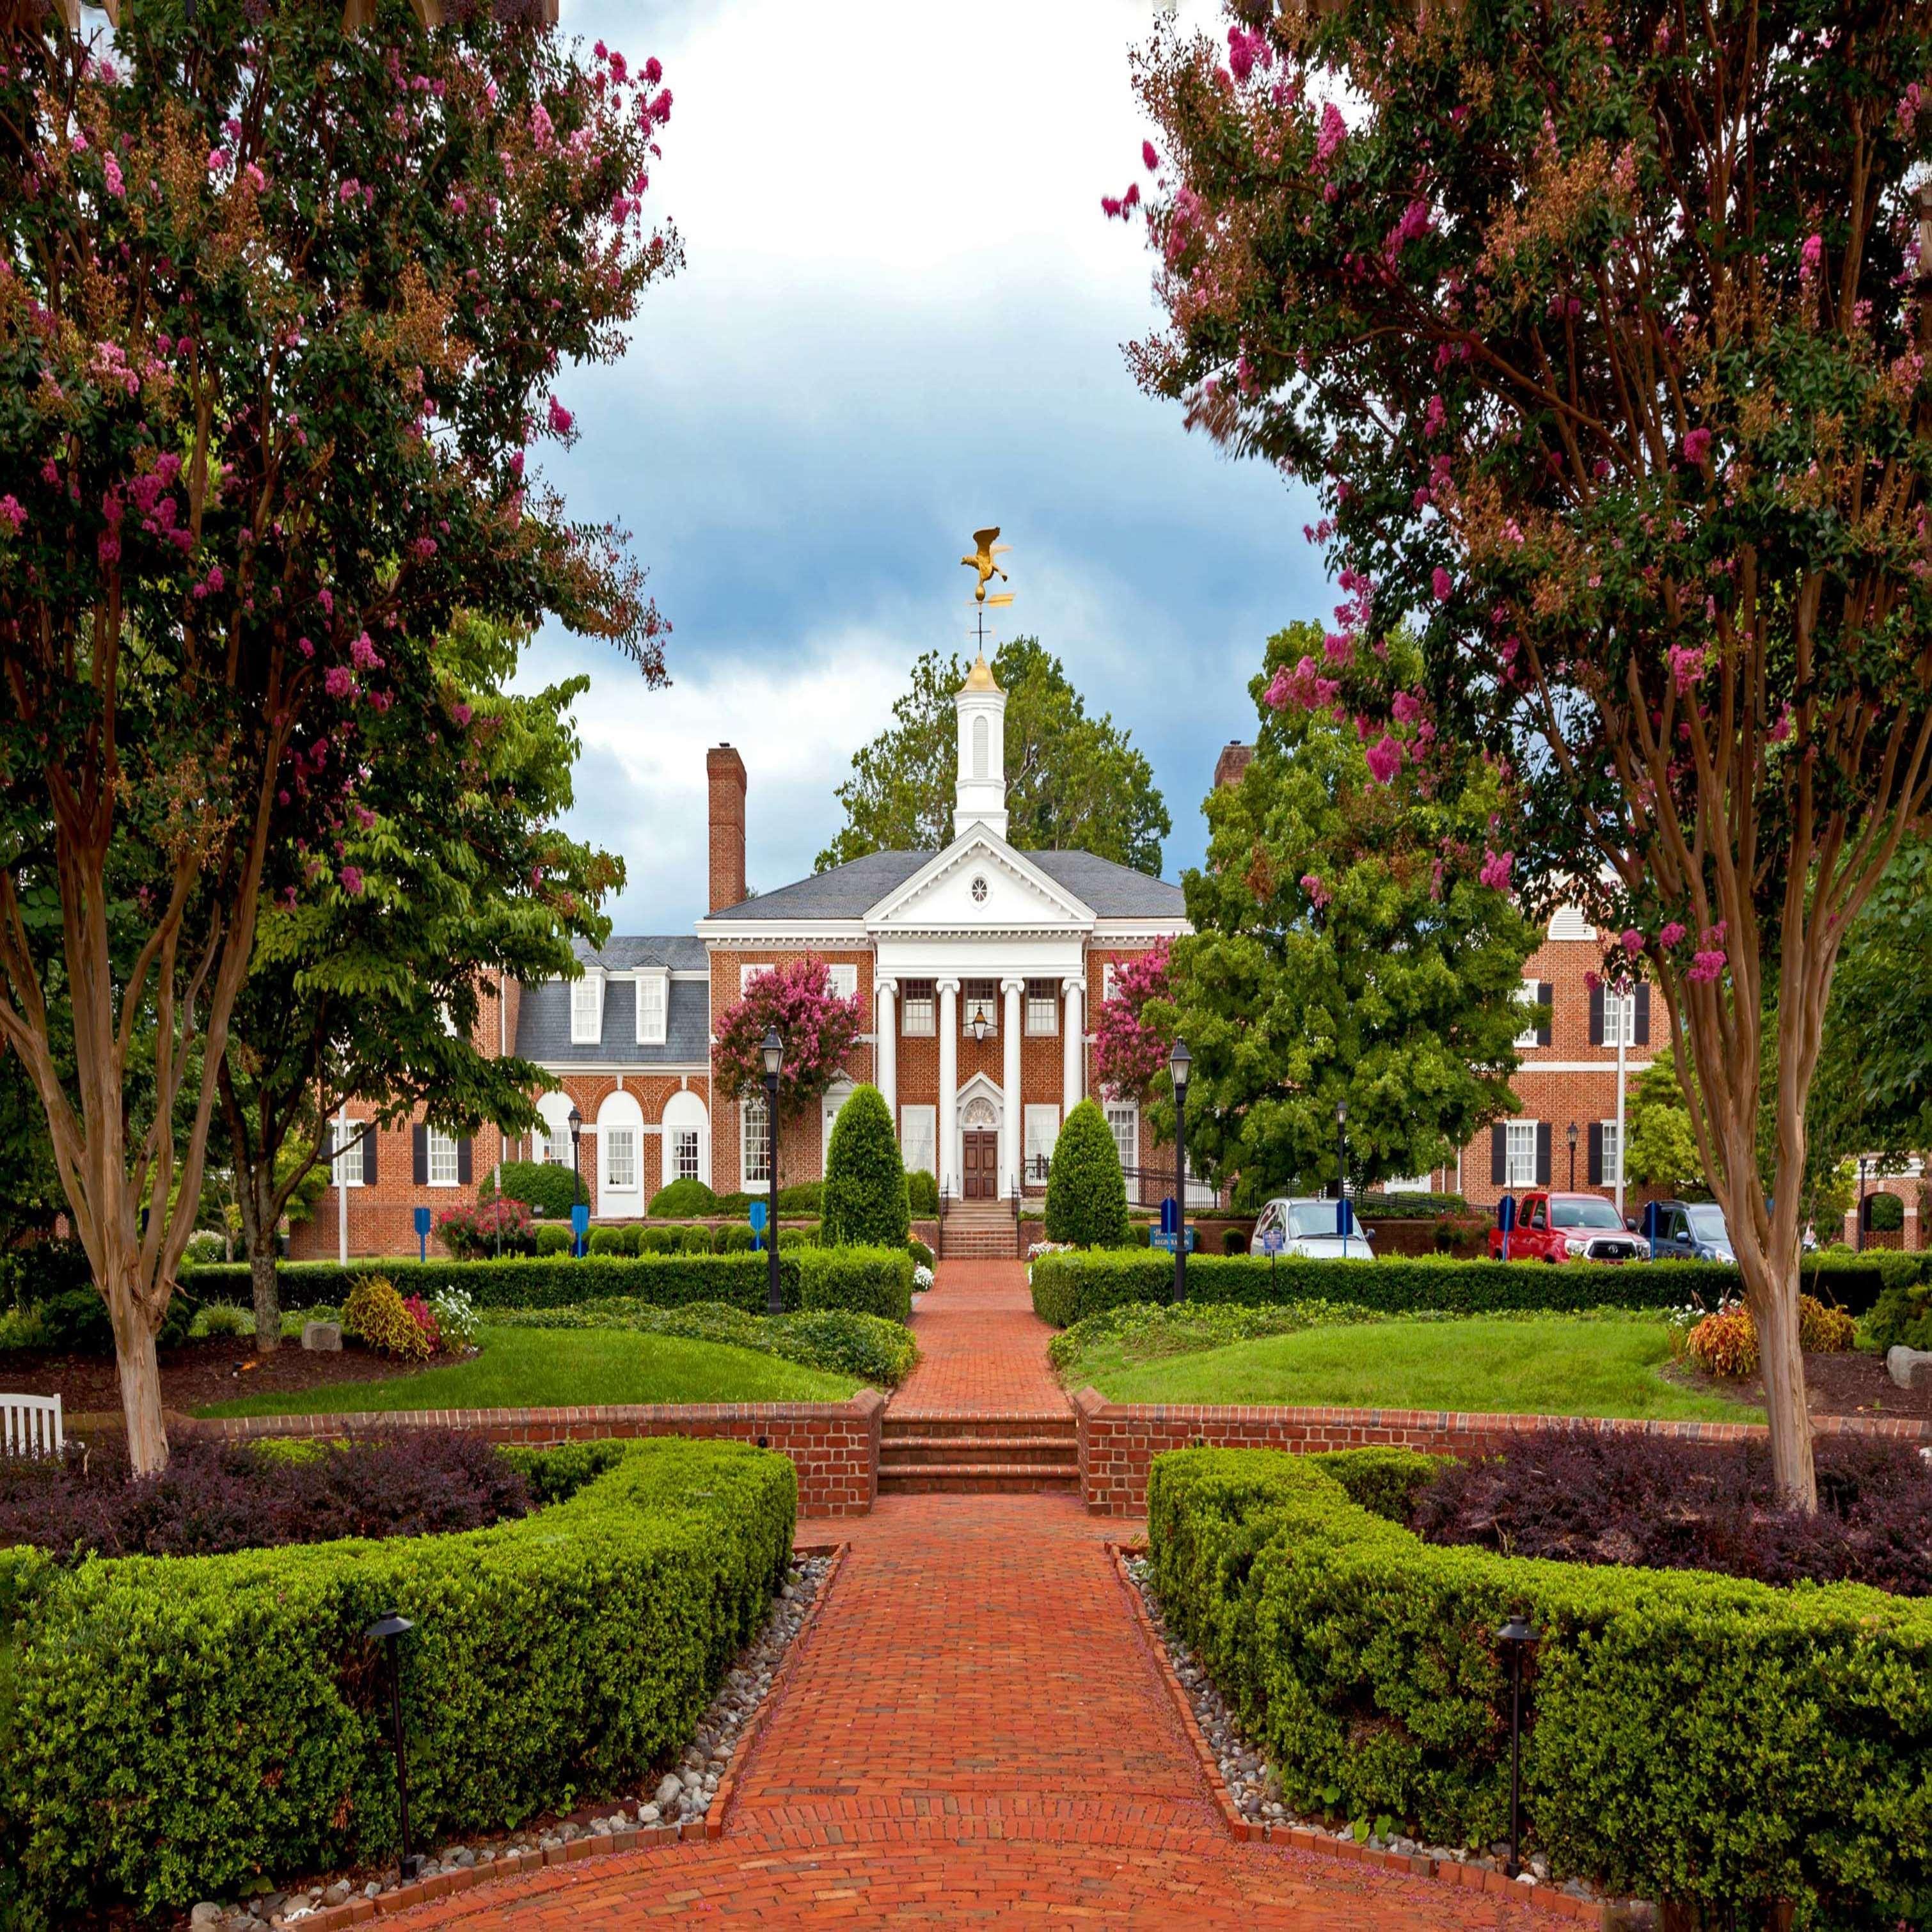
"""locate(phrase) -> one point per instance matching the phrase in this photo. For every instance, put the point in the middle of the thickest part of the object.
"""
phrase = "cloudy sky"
(901, 318)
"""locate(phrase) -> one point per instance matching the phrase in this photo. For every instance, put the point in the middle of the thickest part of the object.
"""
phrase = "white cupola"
(981, 796)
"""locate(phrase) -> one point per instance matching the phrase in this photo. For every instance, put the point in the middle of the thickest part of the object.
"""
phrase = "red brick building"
(978, 966)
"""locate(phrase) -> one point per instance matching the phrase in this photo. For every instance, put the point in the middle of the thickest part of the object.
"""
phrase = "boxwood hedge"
(875, 1281)
(1067, 1286)
(1690, 1737)
(173, 1726)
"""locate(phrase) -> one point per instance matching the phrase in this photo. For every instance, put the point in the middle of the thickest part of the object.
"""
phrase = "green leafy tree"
(1345, 948)
(1599, 334)
(1086, 1192)
(1072, 782)
(865, 1204)
(387, 996)
(284, 310)
(1663, 1145)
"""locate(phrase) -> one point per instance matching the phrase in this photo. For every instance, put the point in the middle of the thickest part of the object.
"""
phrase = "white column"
(948, 1129)
(1015, 1150)
(886, 1044)
(1073, 1045)
(340, 1178)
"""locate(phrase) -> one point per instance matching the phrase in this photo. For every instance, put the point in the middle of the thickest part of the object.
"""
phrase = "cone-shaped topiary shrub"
(865, 1204)
(1086, 1193)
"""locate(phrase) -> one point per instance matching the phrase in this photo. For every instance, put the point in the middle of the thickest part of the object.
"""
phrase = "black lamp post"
(1861, 1242)
(1180, 1065)
(1571, 1138)
(1342, 1172)
(773, 1047)
(1518, 1636)
(387, 1630)
(576, 1176)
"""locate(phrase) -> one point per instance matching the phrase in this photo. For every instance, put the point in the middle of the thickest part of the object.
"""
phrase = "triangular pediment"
(980, 884)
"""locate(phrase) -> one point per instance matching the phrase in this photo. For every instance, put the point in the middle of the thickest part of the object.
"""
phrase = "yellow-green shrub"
(374, 1315)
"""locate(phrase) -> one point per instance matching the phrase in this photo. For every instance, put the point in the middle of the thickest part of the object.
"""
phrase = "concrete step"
(904, 1452)
(978, 1478)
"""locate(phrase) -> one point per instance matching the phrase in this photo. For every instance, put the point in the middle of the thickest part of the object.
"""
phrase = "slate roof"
(543, 1014)
(851, 891)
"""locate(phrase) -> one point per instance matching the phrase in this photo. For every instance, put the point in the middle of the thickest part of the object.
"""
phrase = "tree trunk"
(268, 1296)
(140, 1371)
(1773, 1303)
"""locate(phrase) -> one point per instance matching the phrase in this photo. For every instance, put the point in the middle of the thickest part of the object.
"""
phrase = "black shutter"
(369, 1158)
(465, 1161)
(1596, 1153)
(1499, 1154)
(1643, 1014)
(419, 1152)
(1597, 1015)
(1543, 990)
(1543, 1153)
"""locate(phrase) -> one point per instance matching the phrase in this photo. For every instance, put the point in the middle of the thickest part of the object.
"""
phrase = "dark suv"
(1692, 1230)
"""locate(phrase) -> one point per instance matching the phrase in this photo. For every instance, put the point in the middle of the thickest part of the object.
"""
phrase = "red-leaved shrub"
(1679, 1505)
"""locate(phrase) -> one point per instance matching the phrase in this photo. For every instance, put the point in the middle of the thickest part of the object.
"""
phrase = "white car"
(1309, 1229)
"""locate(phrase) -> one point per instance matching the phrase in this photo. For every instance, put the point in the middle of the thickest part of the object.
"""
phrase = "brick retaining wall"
(833, 1445)
(1117, 1442)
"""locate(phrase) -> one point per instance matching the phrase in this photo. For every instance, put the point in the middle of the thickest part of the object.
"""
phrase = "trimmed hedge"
(922, 1190)
(1067, 1287)
(544, 1186)
(874, 1281)
(1086, 1193)
(866, 1202)
(176, 1726)
(1688, 1737)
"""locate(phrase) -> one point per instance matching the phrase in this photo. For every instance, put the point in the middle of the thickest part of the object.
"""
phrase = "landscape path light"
(388, 1631)
(772, 1048)
(1180, 1065)
(1517, 1636)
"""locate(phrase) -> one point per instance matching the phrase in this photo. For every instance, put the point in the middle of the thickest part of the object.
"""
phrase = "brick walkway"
(983, 1349)
(973, 1732)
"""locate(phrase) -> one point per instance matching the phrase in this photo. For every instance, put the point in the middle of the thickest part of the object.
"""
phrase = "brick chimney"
(726, 772)
(1232, 763)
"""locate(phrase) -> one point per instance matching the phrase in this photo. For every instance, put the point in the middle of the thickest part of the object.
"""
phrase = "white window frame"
(746, 974)
(653, 1008)
(1611, 1149)
(556, 1144)
(678, 1140)
(1519, 1152)
(919, 1138)
(1042, 1010)
(1420, 1183)
(1124, 1114)
(1108, 973)
(586, 1009)
(1042, 1123)
(841, 978)
(345, 1169)
(444, 1163)
(754, 1141)
(919, 1012)
(1526, 994)
(970, 1002)
(619, 1139)
(1619, 1019)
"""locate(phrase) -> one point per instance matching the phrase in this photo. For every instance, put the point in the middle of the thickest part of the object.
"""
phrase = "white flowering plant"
(458, 1323)
(922, 1278)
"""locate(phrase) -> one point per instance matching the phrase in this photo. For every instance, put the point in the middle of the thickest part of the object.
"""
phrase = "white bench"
(30, 1425)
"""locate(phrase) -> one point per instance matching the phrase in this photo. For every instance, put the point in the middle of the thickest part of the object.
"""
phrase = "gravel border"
(1249, 1792)
(687, 1799)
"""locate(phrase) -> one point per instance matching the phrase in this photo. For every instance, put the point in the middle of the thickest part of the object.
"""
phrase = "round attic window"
(978, 891)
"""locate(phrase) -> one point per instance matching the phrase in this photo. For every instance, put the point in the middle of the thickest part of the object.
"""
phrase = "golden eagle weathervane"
(985, 547)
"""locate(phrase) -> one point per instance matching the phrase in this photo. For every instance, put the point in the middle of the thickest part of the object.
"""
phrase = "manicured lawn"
(548, 1368)
(1548, 1367)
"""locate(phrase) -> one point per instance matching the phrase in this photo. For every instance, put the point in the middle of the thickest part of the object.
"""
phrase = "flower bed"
(176, 1725)
(874, 1281)
(215, 1497)
(1690, 1737)
(1069, 1286)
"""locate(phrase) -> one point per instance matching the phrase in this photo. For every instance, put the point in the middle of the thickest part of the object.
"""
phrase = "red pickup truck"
(1567, 1228)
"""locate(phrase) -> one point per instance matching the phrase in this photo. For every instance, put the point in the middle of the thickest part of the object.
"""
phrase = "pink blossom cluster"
(1329, 137)
(1128, 1053)
(1495, 869)
(1318, 895)
(1303, 687)
(1697, 445)
(1688, 664)
(1248, 49)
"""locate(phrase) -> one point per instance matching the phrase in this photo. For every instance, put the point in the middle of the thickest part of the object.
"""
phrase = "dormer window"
(653, 1007)
(586, 1009)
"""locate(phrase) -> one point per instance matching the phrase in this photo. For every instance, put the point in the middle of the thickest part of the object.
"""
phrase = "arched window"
(980, 746)
(687, 1139)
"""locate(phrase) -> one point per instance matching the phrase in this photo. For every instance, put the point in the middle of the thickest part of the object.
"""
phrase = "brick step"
(905, 1452)
(978, 1248)
(1057, 1424)
(977, 1478)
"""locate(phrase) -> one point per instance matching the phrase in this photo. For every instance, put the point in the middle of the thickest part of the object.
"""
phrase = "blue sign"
(580, 1225)
(1653, 1222)
(756, 1215)
(1163, 1238)
(421, 1218)
(1506, 1220)
(1170, 1216)
(1274, 1240)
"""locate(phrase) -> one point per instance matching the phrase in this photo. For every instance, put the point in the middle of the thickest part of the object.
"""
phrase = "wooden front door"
(982, 1165)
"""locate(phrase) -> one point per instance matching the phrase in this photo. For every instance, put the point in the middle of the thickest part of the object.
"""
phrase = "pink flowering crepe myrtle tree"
(819, 1029)
(1602, 339)
(1129, 1052)
(282, 309)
